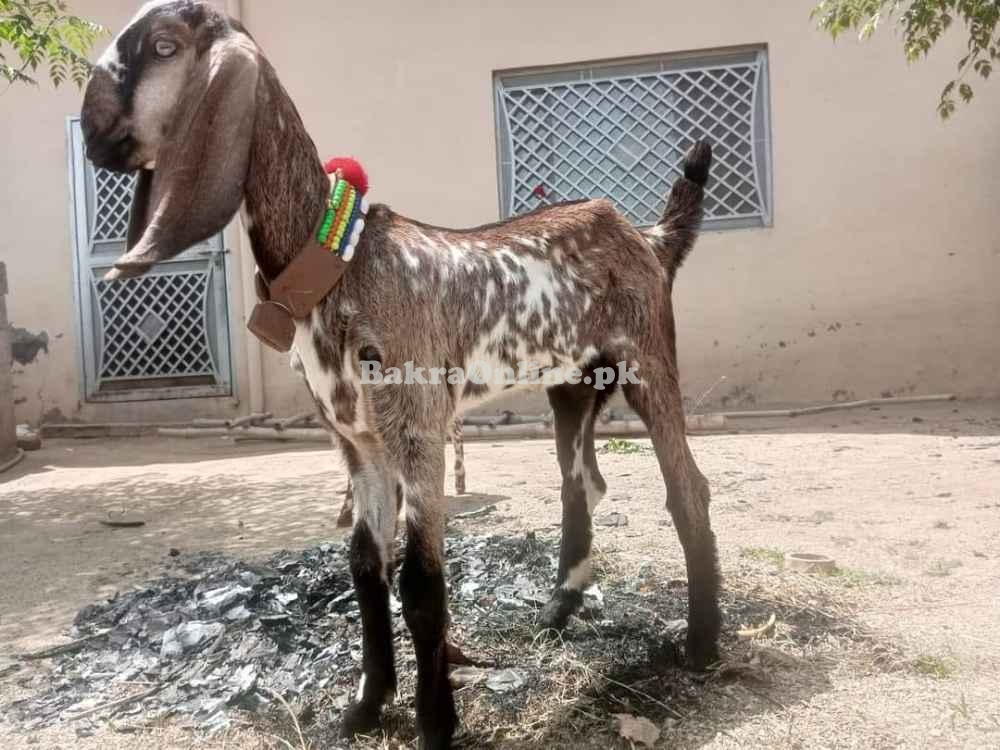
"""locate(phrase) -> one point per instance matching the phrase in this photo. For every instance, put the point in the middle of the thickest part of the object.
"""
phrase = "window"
(621, 130)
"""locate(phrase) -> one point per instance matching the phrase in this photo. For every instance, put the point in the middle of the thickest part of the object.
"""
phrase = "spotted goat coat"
(185, 97)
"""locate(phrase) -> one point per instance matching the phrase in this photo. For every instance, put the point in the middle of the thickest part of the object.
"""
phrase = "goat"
(185, 97)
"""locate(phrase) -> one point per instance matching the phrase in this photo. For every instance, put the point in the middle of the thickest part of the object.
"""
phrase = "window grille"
(155, 327)
(114, 197)
(621, 131)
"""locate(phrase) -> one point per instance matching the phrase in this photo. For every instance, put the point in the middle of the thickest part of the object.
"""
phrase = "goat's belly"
(487, 378)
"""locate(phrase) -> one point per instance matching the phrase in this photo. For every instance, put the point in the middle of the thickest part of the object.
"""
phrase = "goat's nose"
(101, 105)
(105, 129)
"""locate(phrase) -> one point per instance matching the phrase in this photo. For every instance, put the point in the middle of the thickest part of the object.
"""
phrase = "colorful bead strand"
(340, 230)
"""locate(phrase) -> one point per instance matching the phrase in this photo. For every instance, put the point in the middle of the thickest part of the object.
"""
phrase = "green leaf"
(922, 23)
(43, 34)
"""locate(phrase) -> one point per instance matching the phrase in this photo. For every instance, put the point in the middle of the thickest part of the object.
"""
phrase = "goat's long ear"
(137, 218)
(198, 180)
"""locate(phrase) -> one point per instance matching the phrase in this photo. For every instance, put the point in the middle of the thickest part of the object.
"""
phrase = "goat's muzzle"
(106, 131)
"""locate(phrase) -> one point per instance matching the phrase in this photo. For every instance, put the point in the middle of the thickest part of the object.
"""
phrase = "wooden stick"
(748, 634)
(299, 420)
(507, 418)
(614, 428)
(620, 428)
(205, 423)
(246, 434)
(823, 408)
(614, 423)
(193, 432)
(299, 434)
(117, 704)
(64, 648)
(250, 420)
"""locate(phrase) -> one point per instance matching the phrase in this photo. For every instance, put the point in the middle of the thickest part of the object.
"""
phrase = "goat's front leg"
(346, 518)
(371, 568)
(422, 585)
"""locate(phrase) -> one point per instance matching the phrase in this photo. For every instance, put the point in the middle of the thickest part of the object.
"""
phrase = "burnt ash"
(227, 635)
(222, 638)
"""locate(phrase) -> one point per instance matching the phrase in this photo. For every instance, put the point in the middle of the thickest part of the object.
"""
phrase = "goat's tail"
(673, 237)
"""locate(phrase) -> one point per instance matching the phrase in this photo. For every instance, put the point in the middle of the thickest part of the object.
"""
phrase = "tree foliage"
(43, 34)
(922, 23)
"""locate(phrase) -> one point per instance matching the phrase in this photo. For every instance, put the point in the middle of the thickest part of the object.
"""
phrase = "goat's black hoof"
(555, 615)
(360, 718)
(701, 653)
(437, 733)
(436, 741)
(552, 619)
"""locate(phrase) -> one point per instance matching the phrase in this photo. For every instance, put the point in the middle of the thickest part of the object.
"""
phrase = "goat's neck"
(286, 188)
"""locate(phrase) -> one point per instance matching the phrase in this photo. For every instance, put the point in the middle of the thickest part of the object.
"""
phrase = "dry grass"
(942, 568)
(764, 554)
(854, 577)
(621, 447)
(937, 667)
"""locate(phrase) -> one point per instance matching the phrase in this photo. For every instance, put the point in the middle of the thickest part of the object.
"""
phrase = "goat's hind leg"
(658, 401)
(371, 567)
(575, 407)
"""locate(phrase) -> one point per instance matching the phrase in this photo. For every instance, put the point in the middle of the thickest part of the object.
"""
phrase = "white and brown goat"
(185, 97)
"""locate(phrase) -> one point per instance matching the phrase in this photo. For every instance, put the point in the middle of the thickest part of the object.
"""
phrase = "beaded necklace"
(344, 221)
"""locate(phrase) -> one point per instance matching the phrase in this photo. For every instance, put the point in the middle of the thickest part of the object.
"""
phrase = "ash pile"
(230, 636)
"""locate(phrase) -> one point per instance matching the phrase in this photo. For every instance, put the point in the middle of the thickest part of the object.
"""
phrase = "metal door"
(162, 335)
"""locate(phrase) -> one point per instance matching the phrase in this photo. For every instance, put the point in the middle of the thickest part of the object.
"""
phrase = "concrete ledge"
(110, 430)
(11, 462)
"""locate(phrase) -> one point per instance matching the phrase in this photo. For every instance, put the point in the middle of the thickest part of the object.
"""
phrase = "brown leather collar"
(311, 275)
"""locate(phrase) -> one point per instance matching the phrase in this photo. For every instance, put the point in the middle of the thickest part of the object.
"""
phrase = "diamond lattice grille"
(625, 137)
(113, 194)
(180, 347)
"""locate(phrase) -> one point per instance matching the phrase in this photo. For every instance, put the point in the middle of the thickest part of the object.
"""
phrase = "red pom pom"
(351, 170)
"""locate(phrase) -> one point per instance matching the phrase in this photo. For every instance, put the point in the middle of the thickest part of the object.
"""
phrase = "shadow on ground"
(57, 554)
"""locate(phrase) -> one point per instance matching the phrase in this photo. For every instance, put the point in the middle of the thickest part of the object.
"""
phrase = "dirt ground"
(907, 499)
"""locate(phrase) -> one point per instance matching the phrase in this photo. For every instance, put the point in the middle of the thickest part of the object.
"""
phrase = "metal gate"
(162, 335)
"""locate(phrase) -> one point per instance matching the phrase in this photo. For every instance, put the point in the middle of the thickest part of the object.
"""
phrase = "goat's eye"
(164, 48)
(370, 354)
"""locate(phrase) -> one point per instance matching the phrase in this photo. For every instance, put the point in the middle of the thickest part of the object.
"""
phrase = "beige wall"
(878, 275)
(36, 244)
